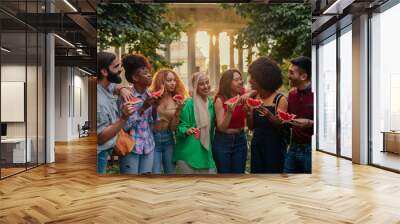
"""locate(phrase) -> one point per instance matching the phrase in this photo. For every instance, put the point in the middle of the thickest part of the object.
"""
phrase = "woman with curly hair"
(137, 73)
(173, 94)
(268, 147)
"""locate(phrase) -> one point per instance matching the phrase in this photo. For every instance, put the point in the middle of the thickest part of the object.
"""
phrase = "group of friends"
(188, 131)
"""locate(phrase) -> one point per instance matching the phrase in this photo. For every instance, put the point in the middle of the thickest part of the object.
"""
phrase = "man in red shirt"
(300, 103)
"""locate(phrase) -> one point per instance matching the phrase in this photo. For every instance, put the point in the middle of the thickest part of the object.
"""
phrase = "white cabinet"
(17, 146)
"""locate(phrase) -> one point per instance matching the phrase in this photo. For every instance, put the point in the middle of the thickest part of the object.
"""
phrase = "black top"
(267, 147)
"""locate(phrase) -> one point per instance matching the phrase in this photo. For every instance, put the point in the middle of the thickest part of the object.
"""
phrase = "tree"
(280, 31)
(143, 28)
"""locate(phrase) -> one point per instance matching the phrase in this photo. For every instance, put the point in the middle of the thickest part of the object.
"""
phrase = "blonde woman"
(193, 153)
(168, 110)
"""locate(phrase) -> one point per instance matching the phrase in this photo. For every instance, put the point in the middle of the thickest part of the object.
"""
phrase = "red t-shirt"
(301, 103)
(238, 119)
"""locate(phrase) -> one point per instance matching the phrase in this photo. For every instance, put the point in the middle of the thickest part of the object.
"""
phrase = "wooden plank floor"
(69, 191)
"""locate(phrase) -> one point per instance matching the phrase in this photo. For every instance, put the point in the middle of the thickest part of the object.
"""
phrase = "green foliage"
(143, 28)
(280, 31)
(285, 68)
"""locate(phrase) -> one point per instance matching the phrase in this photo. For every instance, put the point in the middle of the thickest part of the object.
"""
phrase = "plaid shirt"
(141, 126)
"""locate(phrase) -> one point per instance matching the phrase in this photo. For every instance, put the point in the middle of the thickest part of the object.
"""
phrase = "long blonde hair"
(159, 80)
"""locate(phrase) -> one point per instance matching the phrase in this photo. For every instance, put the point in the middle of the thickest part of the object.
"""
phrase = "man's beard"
(114, 77)
(294, 83)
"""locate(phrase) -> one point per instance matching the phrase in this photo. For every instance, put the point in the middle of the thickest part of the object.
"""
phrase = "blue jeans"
(102, 161)
(163, 152)
(136, 164)
(298, 159)
(230, 152)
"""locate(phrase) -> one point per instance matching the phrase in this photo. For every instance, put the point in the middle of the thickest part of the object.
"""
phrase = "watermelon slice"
(178, 97)
(253, 103)
(232, 100)
(196, 133)
(285, 116)
(135, 100)
(158, 93)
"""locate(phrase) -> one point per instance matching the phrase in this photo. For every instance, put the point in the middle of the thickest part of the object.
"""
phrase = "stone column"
(231, 50)
(216, 58)
(249, 55)
(240, 59)
(123, 50)
(211, 69)
(168, 52)
(191, 34)
(118, 52)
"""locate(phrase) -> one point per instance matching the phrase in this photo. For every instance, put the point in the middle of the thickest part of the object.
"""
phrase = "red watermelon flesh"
(233, 100)
(196, 133)
(135, 100)
(253, 103)
(158, 93)
(178, 97)
(285, 116)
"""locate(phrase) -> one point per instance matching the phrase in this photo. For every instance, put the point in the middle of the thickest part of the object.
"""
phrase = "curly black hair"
(266, 73)
(133, 62)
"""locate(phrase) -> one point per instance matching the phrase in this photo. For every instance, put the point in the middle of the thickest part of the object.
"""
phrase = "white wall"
(314, 89)
(13, 73)
(33, 127)
(69, 85)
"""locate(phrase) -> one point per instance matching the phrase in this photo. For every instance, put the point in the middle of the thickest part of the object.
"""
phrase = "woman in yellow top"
(168, 112)
(195, 131)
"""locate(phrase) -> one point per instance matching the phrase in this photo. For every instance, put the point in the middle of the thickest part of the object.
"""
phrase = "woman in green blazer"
(192, 152)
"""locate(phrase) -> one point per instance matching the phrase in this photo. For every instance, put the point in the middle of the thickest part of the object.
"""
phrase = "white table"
(18, 149)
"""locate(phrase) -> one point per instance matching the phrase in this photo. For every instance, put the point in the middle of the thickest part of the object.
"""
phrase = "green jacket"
(188, 148)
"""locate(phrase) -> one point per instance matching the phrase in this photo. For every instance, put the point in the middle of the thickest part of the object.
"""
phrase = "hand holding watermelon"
(253, 103)
(302, 122)
(197, 133)
(158, 93)
(134, 100)
(127, 110)
(265, 112)
(286, 117)
(178, 98)
(194, 131)
(179, 101)
(232, 103)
